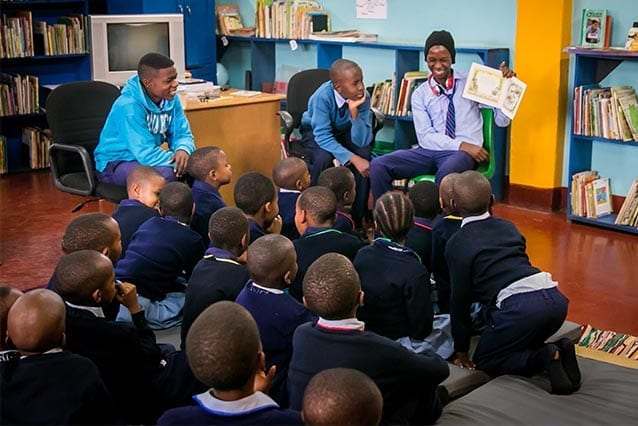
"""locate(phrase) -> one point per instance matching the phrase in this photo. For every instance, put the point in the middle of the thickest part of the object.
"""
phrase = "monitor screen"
(127, 43)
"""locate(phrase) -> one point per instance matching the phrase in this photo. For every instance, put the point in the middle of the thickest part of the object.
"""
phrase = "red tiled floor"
(596, 268)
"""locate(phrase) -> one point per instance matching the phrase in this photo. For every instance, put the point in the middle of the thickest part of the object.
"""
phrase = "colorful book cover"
(596, 28)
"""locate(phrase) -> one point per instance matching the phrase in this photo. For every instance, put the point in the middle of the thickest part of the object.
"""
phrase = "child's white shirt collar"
(339, 99)
(343, 324)
(250, 404)
(95, 310)
(471, 219)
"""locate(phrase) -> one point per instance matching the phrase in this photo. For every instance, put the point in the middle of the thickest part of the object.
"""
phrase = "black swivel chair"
(76, 113)
(300, 87)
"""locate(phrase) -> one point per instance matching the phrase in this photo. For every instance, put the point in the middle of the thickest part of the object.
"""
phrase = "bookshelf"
(406, 58)
(591, 66)
(50, 70)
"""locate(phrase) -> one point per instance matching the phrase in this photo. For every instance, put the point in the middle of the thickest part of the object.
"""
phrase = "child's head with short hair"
(316, 207)
(347, 79)
(425, 199)
(210, 165)
(36, 322)
(93, 231)
(144, 184)
(342, 396)
(227, 356)
(394, 216)
(341, 181)
(272, 261)
(176, 200)
(8, 296)
(291, 173)
(85, 278)
(256, 196)
(331, 287)
(445, 192)
(228, 230)
(472, 194)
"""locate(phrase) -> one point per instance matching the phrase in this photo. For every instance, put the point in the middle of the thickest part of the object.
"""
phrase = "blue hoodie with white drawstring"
(136, 127)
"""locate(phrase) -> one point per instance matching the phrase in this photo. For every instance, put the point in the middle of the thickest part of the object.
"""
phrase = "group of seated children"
(272, 328)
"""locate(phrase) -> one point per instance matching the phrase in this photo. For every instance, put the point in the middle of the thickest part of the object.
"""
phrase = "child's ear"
(261, 361)
(97, 296)
(105, 251)
(135, 189)
(360, 298)
(299, 184)
(63, 340)
(212, 174)
(268, 206)
(453, 204)
(288, 277)
(303, 299)
(244, 242)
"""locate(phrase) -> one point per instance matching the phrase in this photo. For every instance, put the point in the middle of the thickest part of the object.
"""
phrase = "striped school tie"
(450, 119)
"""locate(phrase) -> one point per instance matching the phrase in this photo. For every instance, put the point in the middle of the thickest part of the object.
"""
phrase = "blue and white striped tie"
(450, 119)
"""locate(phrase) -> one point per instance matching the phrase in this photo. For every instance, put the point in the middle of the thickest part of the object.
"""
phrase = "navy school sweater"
(419, 239)
(397, 291)
(130, 215)
(161, 251)
(287, 201)
(344, 222)
(442, 231)
(207, 201)
(255, 229)
(407, 381)
(316, 242)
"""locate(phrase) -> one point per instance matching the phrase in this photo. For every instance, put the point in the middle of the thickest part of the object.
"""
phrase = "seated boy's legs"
(451, 162)
(116, 172)
(519, 328)
(404, 163)
(160, 314)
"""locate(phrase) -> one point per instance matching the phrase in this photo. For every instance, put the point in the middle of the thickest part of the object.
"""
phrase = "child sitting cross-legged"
(407, 381)
(488, 263)
(229, 359)
(292, 177)
(47, 384)
(210, 169)
(256, 196)
(219, 275)
(272, 264)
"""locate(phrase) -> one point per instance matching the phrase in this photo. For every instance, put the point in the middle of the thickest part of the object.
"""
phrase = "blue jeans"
(409, 163)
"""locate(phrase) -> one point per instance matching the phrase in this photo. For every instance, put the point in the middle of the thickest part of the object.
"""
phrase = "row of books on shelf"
(628, 213)
(590, 195)
(38, 142)
(3, 155)
(289, 19)
(384, 96)
(606, 112)
(21, 37)
(19, 94)
(609, 341)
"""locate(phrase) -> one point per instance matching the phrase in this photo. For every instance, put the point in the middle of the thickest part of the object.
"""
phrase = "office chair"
(76, 113)
(488, 168)
(300, 87)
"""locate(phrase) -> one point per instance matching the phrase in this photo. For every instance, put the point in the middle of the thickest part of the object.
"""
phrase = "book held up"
(487, 86)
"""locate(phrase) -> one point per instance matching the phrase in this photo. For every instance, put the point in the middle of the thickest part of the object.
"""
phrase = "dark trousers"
(321, 159)
(409, 163)
(116, 172)
(520, 327)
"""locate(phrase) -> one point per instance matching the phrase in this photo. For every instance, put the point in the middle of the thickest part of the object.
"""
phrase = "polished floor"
(596, 268)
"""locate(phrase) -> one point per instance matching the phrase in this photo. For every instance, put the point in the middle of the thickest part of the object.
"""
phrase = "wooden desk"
(245, 128)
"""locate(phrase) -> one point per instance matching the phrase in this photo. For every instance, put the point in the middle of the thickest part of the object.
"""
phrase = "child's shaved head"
(79, 274)
(8, 296)
(291, 173)
(36, 321)
(472, 194)
(445, 191)
(270, 258)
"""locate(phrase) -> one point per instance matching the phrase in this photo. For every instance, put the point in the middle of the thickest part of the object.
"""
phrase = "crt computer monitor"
(119, 41)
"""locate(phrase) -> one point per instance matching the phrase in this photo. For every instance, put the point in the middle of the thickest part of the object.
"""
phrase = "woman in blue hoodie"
(144, 116)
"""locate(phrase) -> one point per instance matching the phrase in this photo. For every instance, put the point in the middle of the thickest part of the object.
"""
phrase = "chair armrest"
(56, 154)
(287, 122)
(378, 119)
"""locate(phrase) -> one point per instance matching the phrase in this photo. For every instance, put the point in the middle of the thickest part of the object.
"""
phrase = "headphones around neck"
(437, 89)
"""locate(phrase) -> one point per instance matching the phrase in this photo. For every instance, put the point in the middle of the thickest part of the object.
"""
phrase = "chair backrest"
(488, 168)
(300, 87)
(76, 112)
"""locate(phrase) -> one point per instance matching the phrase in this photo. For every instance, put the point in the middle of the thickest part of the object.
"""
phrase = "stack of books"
(628, 214)
(290, 19)
(606, 112)
(385, 98)
(590, 195)
(19, 94)
(22, 37)
(38, 142)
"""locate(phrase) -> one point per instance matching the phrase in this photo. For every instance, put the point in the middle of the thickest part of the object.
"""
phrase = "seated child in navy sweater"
(407, 381)
(48, 385)
(442, 231)
(256, 196)
(341, 181)
(143, 186)
(395, 282)
(8, 296)
(425, 199)
(210, 168)
(127, 355)
(93, 231)
(229, 359)
(272, 263)
(219, 275)
(314, 217)
(292, 177)
(330, 399)
(161, 257)
(489, 264)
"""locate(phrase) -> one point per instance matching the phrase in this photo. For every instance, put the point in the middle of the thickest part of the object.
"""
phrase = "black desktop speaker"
(248, 80)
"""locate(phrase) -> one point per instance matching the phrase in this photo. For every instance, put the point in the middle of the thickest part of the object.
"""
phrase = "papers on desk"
(246, 93)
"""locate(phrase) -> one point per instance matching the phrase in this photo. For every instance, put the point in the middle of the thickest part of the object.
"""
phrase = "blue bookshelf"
(592, 66)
